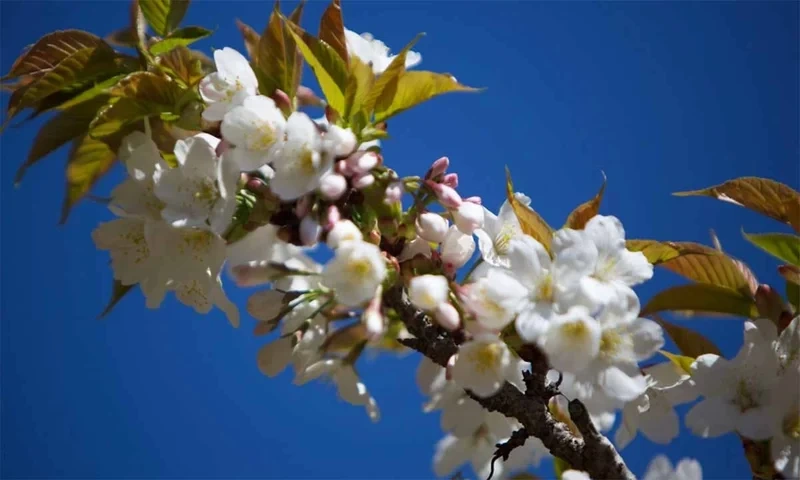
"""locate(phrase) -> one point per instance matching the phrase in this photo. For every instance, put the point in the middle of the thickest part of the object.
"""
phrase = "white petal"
(712, 417)
(618, 384)
(711, 373)
(660, 422)
(274, 357)
(660, 468)
(234, 67)
(756, 423)
(427, 292)
(265, 305)
(606, 232)
(786, 454)
(350, 387)
(430, 376)
(463, 417)
(688, 469)
(450, 453)
(572, 340)
(647, 338)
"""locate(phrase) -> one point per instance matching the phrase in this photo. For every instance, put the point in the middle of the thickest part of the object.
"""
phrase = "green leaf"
(411, 89)
(690, 343)
(780, 245)
(655, 251)
(81, 66)
(88, 160)
(139, 95)
(762, 195)
(680, 361)
(328, 67)
(275, 58)
(702, 298)
(99, 88)
(182, 65)
(584, 212)
(59, 130)
(530, 222)
(385, 86)
(51, 50)
(179, 38)
(118, 291)
(163, 16)
(331, 29)
(251, 38)
(359, 84)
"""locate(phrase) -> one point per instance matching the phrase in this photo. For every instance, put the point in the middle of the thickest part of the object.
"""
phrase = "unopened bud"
(432, 227)
(363, 181)
(222, 147)
(303, 206)
(394, 193)
(310, 231)
(282, 101)
(332, 186)
(457, 248)
(332, 217)
(769, 303)
(447, 316)
(307, 98)
(343, 231)
(451, 180)
(373, 318)
(343, 168)
(362, 162)
(438, 167)
(448, 370)
(468, 217)
(447, 196)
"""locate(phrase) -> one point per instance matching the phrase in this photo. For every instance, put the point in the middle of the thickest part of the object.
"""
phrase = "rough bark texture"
(593, 453)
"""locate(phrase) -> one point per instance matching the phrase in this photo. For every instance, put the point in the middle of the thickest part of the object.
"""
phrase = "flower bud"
(432, 227)
(282, 101)
(447, 316)
(333, 216)
(415, 247)
(332, 186)
(343, 231)
(222, 147)
(363, 181)
(457, 248)
(254, 273)
(303, 206)
(362, 162)
(468, 217)
(307, 98)
(438, 167)
(427, 292)
(394, 193)
(447, 196)
(340, 141)
(373, 318)
(310, 231)
(451, 180)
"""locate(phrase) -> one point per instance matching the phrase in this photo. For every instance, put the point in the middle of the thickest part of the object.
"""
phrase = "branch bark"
(593, 453)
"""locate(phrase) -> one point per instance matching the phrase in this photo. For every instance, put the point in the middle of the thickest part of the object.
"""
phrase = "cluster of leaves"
(99, 94)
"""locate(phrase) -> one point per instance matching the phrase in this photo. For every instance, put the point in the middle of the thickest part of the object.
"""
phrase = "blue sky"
(660, 96)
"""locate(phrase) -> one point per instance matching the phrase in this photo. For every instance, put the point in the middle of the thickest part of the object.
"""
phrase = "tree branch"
(593, 453)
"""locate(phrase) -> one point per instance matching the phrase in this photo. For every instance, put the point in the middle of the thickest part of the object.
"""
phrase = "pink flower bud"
(332, 186)
(432, 227)
(447, 316)
(344, 168)
(373, 318)
(333, 216)
(394, 193)
(222, 147)
(476, 200)
(307, 97)
(282, 100)
(303, 206)
(340, 141)
(451, 180)
(362, 162)
(448, 370)
(468, 217)
(438, 167)
(446, 195)
(363, 181)
(310, 231)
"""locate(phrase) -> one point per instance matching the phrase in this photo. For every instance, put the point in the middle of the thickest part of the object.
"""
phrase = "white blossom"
(343, 231)
(375, 53)
(483, 364)
(493, 299)
(275, 356)
(457, 248)
(785, 444)
(249, 259)
(739, 394)
(233, 81)
(355, 272)
(201, 191)
(135, 196)
(495, 236)
(468, 217)
(653, 412)
(660, 468)
(432, 227)
(255, 129)
(351, 389)
(575, 475)
(415, 247)
(572, 340)
(616, 268)
(427, 292)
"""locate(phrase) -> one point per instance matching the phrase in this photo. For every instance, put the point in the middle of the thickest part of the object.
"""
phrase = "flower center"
(306, 162)
(575, 330)
(486, 357)
(746, 396)
(503, 239)
(207, 192)
(545, 290)
(791, 424)
(265, 137)
(197, 241)
(359, 268)
(604, 268)
(610, 343)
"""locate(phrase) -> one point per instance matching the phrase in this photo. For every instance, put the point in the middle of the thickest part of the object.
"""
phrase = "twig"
(593, 453)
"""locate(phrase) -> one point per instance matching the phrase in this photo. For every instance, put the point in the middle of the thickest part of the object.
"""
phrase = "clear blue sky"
(661, 96)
